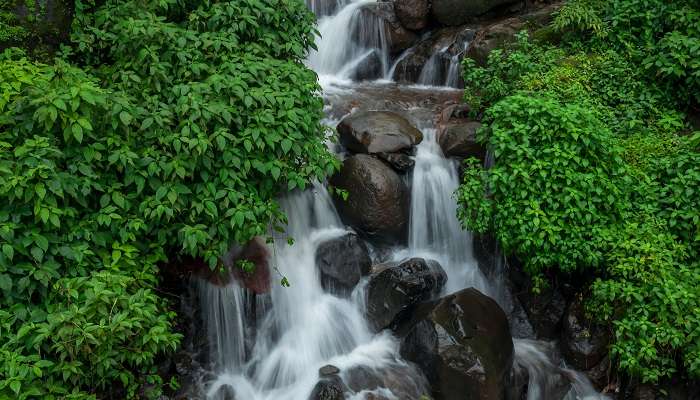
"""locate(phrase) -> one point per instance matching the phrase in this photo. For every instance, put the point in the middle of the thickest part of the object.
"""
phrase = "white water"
(306, 328)
(314, 328)
(434, 231)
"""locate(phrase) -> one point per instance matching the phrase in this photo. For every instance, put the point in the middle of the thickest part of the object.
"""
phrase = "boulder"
(255, 252)
(403, 380)
(459, 12)
(400, 162)
(458, 139)
(463, 345)
(369, 68)
(545, 311)
(330, 388)
(342, 262)
(372, 132)
(378, 199)
(379, 19)
(413, 14)
(504, 31)
(394, 289)
(584, 343)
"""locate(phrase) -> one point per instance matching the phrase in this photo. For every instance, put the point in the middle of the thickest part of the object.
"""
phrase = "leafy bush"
(167, 129)
(594, 170)
(650, 291)
(551, 192)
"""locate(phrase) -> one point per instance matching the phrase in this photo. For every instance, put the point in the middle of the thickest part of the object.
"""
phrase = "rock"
(584, 343)
(600, 374)
(545, 311)
(328, 370)
(368, 68)
(458, 12)
(400, 162)
(459, 140)
(393, 290)
(504, 31)
(378, 17)
(404, 381)
(463, 345)
(255, 252)
(443, 45)
(644, 392)
(48, 23)
(413, 14)
(372, 132)
(328, 389)
(342, 262)
(378, 199)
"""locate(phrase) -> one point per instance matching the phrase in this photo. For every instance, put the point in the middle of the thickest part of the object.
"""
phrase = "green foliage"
(551, 192)
(651, 293)
(594, 170)
(167, 129)
(662, 36)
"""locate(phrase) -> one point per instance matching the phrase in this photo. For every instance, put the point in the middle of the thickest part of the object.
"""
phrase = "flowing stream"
(271, 347)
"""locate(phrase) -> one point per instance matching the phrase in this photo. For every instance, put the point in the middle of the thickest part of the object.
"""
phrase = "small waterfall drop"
(434, 231)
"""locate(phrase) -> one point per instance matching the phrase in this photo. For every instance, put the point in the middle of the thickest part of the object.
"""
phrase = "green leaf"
(5, 283)
(8, 251)
(125, 117)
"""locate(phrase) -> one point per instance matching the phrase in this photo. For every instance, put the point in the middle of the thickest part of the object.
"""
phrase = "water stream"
(299, 329)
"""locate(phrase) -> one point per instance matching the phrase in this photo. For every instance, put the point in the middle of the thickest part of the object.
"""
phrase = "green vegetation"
(165, 129)
(597, 170)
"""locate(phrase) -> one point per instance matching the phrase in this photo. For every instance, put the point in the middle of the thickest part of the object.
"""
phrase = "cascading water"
(303, 327)
(434, 231)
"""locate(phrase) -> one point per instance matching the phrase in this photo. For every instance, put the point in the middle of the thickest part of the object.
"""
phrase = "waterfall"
(271, 347)
(434, 231)
(549, 381)
(346, 40)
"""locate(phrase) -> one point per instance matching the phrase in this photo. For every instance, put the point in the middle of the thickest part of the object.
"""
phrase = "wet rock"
(463, 345)
(404, 381)
(504, 31)
(331, 388)
(342, 262)
(328, 370)
(413, 14)
(378, 199)
(393, 290)
(400, 162)
(368, 68)
(381, 18)
(443, 45)
(600, 374)
(372, 132)
(459, 140)
(644, 392)
(545, 311)
(255, 252)
(584, 343)
(458, 12)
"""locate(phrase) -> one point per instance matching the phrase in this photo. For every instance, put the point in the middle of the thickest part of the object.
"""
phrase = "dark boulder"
(400, 162)
(459, 140)
(379, 19)
(372, 132)
(257, 254)
(413, 14)
(378, 199)
(342, 262)
(584, 342)
(463, 345)
(459, 12)
(545, 311)
(330, 388)
(394, 289)
(369, 68)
